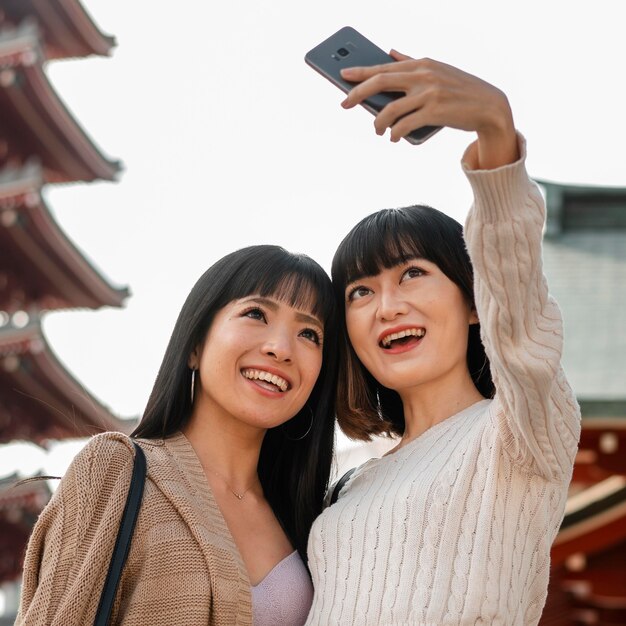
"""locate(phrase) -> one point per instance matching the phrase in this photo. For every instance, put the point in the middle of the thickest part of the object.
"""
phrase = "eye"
(358, 292)
(312, 335)
(255, 313)
(412, 272)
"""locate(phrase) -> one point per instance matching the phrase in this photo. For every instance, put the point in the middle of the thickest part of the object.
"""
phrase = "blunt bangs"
(294, 279)
(394, 236)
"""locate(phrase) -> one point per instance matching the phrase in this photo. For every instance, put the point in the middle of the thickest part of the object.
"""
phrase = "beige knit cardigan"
(183, 566)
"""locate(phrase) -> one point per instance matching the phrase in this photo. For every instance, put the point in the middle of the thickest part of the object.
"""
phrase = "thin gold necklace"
(237, 494)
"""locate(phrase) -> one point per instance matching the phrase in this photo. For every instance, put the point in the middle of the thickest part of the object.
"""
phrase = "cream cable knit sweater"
(456, 527)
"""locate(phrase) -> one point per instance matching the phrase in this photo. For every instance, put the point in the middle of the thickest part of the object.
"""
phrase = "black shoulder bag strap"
(124, 538)
(339, 486)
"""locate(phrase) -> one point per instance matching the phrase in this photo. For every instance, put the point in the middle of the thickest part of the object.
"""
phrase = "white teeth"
(281, 383)
(415, 332)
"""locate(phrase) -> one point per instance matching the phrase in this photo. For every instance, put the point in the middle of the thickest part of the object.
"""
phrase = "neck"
(430, 403)
(228, 448)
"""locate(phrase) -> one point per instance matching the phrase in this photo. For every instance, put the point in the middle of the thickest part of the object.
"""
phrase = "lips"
(264, 375)
(400, 336)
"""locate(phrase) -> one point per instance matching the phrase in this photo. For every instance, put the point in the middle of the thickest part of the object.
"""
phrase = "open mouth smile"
(405, 337)
(267, 380)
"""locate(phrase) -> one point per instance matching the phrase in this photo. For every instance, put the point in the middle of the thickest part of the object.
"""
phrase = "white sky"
(229, 139)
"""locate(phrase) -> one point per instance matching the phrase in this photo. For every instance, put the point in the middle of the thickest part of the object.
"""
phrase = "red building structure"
(588, 580)
(41, 270)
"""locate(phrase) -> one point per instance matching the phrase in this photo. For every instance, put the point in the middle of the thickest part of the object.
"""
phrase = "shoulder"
(110, 442)
(105, 451)
(97, 470)
(110, 455)
(93, 488)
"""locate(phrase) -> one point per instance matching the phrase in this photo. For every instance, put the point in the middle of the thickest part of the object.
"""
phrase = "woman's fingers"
(407, 75)
(395, 110)
(378, 82)
(408, 123)
(358, 74)
(455, 98)
(398, 56)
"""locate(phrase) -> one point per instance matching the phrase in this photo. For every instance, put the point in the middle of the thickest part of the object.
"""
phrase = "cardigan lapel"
(177, 472)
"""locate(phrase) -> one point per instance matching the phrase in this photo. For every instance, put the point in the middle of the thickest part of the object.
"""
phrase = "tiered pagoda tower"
(41, 270)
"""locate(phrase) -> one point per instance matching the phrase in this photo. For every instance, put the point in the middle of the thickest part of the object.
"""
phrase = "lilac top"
(284, 596)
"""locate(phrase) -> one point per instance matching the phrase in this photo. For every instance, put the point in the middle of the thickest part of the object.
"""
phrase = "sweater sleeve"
(535, 410)
(70, 547)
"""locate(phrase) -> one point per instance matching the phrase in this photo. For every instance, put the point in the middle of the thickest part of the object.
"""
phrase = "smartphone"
(348, 48)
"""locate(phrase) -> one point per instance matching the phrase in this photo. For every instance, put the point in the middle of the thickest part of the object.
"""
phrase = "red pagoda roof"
(40, 266)
(36, 122)
(39, 398)
(66, 28)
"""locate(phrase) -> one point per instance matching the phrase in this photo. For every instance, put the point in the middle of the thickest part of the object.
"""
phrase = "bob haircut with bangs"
(382, 240)
(293, 471)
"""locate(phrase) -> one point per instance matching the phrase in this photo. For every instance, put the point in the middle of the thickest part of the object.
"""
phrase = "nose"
(278, 346)
(391, 304)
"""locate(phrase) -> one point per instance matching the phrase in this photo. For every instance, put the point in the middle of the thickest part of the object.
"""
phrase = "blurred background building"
(42, 271)
(585, 262)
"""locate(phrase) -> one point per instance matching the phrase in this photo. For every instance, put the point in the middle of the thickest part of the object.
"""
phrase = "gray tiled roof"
(586, 273)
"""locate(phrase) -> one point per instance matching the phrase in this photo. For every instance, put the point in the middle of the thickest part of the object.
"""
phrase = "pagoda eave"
(36, 122)
(39, 399)
(66, 28)
(49, 270)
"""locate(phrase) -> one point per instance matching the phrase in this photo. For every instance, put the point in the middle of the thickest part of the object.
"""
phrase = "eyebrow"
(363, 275)
(273, 305)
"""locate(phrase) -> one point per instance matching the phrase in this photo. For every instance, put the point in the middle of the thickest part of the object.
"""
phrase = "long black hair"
(294, 472)
(383, 240)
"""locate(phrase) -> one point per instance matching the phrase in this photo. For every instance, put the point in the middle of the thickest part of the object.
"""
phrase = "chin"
(400, 378)
(264, 422)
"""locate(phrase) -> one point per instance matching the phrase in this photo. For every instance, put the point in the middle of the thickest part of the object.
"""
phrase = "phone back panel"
(355, 49)
(348, 48)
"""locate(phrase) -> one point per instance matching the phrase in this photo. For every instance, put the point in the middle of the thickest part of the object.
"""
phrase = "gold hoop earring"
(305, 434)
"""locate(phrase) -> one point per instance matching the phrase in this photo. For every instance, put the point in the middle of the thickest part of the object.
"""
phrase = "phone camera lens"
(342, 52)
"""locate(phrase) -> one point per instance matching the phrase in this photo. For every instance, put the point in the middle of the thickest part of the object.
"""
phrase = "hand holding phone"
(348, 48)
(415, 98)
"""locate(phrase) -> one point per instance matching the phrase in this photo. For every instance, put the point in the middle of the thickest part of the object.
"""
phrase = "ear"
(473, 318)
(192, 361)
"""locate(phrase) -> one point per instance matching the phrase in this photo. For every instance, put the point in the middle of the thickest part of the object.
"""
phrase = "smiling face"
(409, 325)
(259, 362)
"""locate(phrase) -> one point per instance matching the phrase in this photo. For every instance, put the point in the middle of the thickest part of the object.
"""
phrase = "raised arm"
(536, 412)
